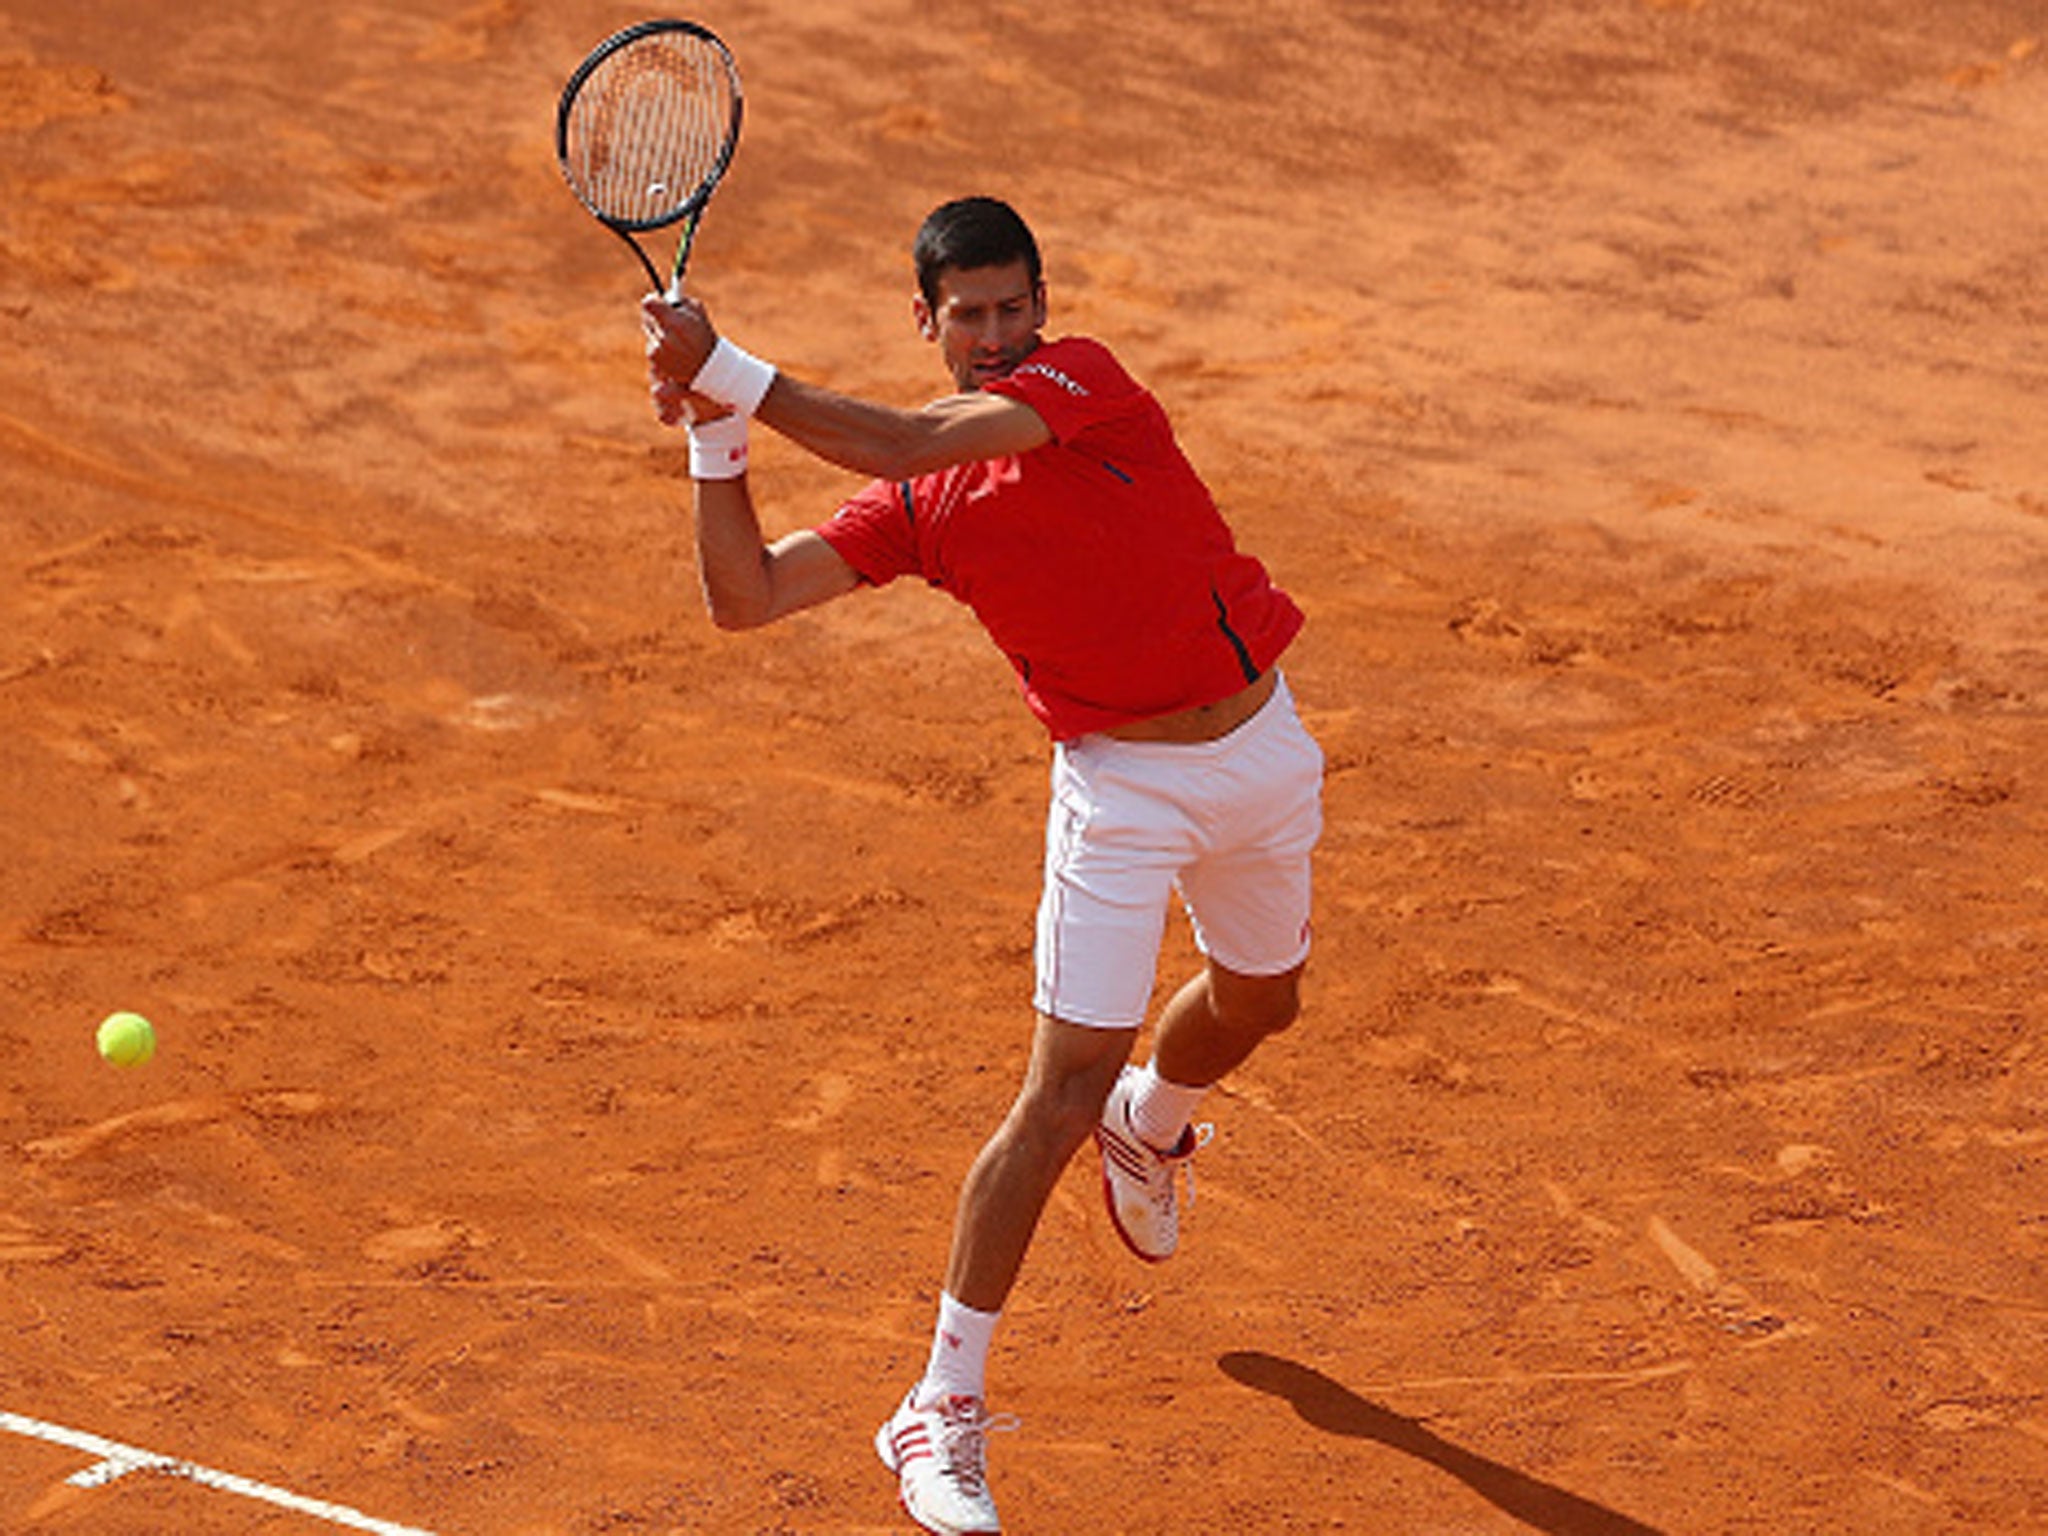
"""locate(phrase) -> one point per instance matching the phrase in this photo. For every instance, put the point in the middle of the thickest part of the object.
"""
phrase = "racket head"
(648, 124)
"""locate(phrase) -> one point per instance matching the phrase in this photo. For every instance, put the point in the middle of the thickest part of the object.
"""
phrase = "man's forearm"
(732, 564)
(876, 440)
(892, 444)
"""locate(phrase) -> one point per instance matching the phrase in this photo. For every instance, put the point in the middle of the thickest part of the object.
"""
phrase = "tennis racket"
(646, 128)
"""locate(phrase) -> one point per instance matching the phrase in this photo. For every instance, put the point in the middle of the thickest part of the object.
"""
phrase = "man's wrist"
(718, 449)
(733, 377)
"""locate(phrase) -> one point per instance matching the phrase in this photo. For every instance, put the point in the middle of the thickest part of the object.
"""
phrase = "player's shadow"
(1335, 1409)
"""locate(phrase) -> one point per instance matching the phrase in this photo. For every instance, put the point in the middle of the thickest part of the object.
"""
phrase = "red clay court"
(574, 1023)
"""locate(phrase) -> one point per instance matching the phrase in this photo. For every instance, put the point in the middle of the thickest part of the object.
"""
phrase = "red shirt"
(1097, 562)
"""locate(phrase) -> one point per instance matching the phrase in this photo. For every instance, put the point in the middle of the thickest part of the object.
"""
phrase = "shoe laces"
(1176, 1165)
(962, 1439)
(1184, 1165)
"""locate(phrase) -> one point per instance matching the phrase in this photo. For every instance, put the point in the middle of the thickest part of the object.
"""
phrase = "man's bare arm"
(879, 440)
(748, 582)
(892, 444)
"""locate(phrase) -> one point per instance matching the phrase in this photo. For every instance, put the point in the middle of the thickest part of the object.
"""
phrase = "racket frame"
(691, 209)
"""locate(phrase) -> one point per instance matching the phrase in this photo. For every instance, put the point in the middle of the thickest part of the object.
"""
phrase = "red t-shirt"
(1097, 562)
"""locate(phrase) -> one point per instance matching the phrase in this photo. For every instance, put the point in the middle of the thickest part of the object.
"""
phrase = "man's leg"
(936, 1442)
(1058, 1108)
(1211, 1025)
(1072, 1068)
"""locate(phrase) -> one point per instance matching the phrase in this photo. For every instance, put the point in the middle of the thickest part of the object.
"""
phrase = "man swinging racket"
(1050, 496)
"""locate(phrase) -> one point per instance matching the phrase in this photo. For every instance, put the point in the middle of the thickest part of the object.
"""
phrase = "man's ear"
(927, 322)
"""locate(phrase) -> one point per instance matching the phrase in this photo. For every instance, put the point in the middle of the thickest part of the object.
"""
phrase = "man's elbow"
(734, 621)
(733, 614)
(909, 445)
(904, 460)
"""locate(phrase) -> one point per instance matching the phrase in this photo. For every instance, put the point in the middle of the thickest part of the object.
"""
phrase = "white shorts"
(1228, 823)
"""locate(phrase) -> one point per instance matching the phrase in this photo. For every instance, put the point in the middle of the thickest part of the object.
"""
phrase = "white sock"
(959, 1361)
(1160, 1110)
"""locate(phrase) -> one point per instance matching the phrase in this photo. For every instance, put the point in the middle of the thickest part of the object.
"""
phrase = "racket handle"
(689, 239)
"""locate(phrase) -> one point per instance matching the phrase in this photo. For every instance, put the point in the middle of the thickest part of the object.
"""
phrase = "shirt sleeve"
(875, 532)
(1073, 384)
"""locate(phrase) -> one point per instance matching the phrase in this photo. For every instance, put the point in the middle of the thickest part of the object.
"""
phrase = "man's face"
(986, 321)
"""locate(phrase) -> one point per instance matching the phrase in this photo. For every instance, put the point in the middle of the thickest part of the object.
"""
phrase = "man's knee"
(1056, 1122)
(1072, 1070)
(1255, 1006)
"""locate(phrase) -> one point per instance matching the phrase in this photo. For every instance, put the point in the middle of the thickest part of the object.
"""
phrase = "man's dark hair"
(969, 233)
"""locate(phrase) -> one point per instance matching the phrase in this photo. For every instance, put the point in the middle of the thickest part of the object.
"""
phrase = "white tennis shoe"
(1142, 1183)
(940, 1457)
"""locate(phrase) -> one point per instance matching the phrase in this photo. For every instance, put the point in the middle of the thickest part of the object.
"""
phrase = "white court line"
(117, 1460)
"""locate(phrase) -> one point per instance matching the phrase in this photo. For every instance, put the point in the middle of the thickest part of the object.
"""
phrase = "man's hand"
(680, 337)
(675, 405)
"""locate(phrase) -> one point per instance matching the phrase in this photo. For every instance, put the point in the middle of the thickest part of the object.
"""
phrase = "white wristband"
(734, 377)
(718, 449)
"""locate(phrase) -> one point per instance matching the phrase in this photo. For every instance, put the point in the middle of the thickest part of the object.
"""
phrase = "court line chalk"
(117, 1461)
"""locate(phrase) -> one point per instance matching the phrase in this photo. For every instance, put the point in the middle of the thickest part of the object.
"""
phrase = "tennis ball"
(127, 1039)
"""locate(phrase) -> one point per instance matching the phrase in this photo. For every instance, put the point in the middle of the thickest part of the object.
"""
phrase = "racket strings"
(650, 127)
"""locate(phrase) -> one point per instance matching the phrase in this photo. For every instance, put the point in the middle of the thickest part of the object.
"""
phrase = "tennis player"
(1050, 495)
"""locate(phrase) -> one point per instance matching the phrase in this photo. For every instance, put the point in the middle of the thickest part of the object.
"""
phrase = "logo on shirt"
(1046, 371)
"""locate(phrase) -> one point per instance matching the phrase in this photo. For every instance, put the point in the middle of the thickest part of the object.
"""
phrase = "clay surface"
(574, 1023)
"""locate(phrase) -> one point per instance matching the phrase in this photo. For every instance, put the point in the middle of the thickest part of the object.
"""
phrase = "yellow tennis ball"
(127, 1039)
